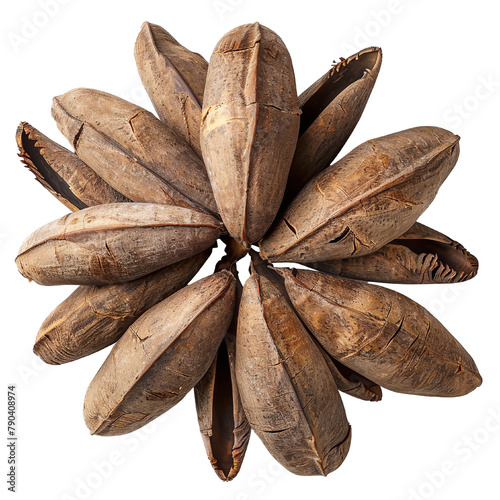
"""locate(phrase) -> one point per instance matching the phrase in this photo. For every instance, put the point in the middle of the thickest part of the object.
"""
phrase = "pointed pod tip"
(19, 134)
(376, 390)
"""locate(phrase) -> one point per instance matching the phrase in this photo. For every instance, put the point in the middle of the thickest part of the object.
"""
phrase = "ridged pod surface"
(288, 393)
(331, 108)
(161, 357)
(114, 243)
(174, 78)
(132, 150)
(382, 334)
(368, 198)
(94, 317)
(62, 173)
(249, 128)
(421, 255)
(223, 425)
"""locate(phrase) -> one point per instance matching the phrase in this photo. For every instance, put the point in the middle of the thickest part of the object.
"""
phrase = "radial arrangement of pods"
(235, 154)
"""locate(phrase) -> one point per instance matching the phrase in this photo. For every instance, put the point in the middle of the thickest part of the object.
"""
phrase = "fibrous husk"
(224, 427)
(94, 317)
(161, 357)
(249, 128)
(366, 199)
(288, 393)
(61, 172)
(132, 150)
(114, 243)
(174, 78)
(331, 108)
(421, 255)
(382, 335)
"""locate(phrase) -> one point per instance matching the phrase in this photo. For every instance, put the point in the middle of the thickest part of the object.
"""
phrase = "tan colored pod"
(131, 149)
(94, 317)
(382, 334)
(61, 172)
(174, 78)
(347, 380)
(421, 255)
(331, 108)
(161, 357)
(288, 393)
(114, 243)
(249, 128)
(368, 198)
(224, 427)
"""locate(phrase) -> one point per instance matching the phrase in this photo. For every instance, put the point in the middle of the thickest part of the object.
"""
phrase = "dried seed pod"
(366, 199)
(331, 108)
(62, 173)
(288, 393)
(382, 334)
(161, 357)
(349, 381)
(132, 150)
(249, 128)
(224, 427)
(421, 255)
(114, 243)
(94, 317)
(174, 78)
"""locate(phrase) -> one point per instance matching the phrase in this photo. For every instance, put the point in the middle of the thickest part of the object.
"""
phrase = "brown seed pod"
(366, 199)
(288, 393)
(347, 380)
(249, 128)
(331, 108)
(132, 150)
(174, 78)
(94, 317)
(61, 172)
(224, 427)
(114, 243)
(161, 357)
(382, 334)
(421, 255)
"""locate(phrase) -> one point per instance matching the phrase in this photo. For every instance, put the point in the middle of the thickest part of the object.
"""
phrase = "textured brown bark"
(288, 393)
(224, 427)
(366, 199)
(421, 255)
(331, 108)
(174, 78)
(161, 357)
(132, 150)
(382, 334)
(249, 128)
(94, 317)
(114, 243)
(61, 172)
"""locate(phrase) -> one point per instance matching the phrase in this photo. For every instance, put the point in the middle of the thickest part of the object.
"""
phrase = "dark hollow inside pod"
(222, 412)
(335, 85)
(449, 254)
(53, 179)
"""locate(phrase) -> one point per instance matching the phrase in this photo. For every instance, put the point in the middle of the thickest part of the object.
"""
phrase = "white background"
(440, 68)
